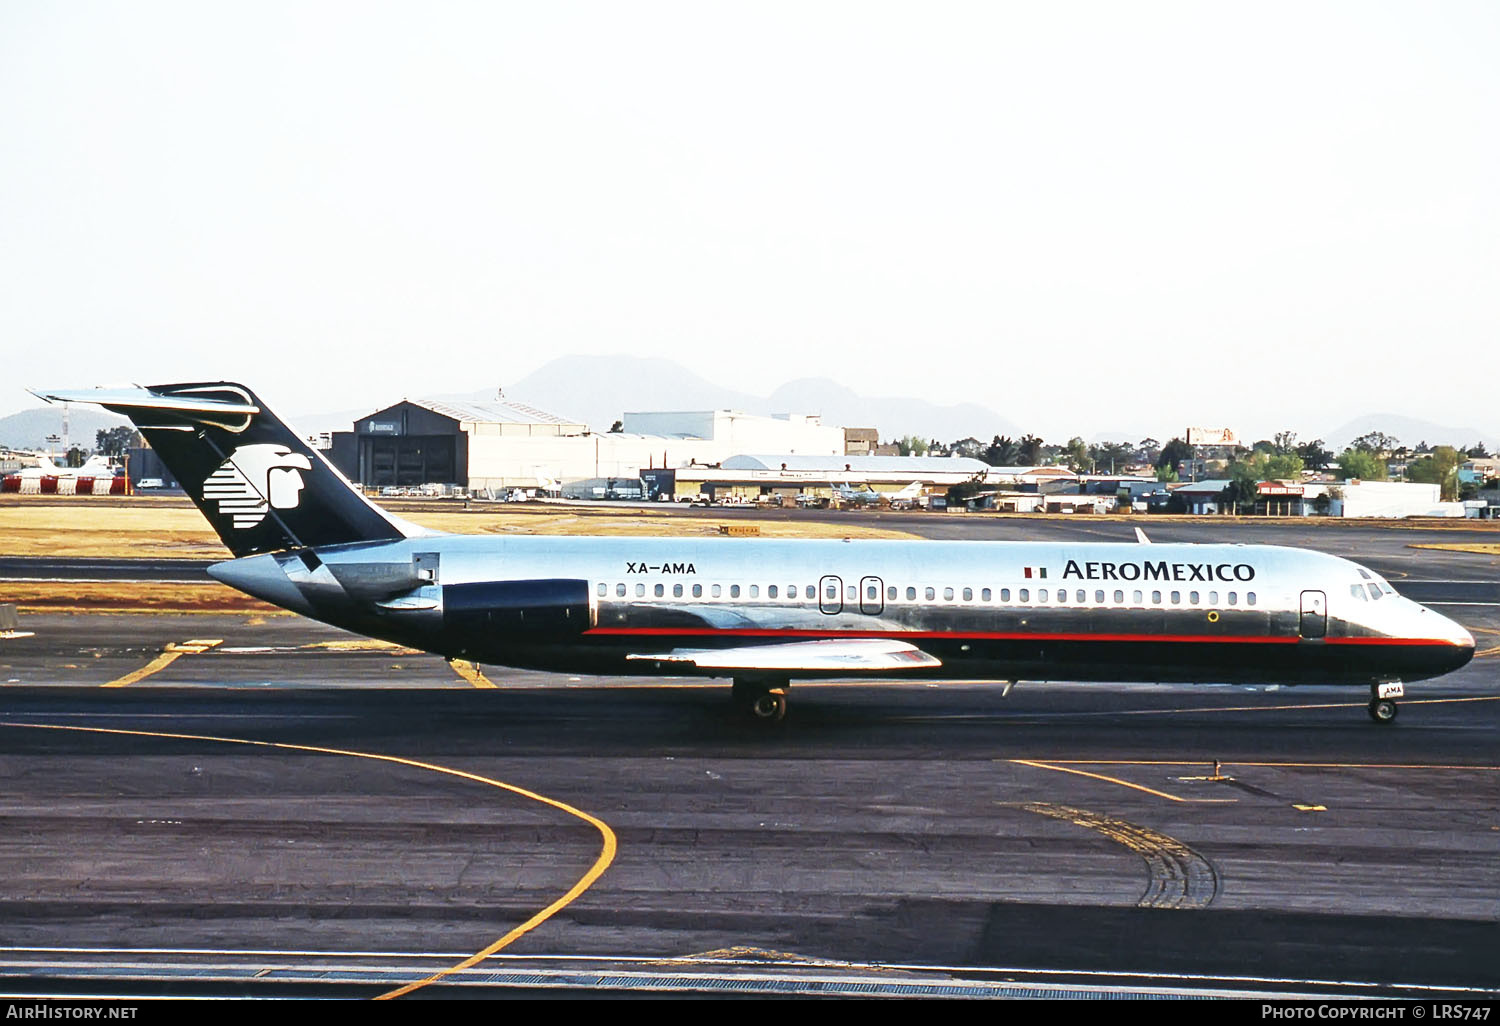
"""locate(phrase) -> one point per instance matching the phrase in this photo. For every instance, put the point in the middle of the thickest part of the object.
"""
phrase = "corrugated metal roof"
(500, 411)
(859, 464)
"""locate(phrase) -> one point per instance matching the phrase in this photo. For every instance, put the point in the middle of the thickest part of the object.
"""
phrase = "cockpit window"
(1358, 591)
(1364, 573)
(1374, 591)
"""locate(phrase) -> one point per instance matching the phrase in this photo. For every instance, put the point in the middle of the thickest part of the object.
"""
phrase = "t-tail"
(260, 486)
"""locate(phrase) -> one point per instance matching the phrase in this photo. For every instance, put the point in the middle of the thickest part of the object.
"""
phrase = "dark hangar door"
(1314, 614)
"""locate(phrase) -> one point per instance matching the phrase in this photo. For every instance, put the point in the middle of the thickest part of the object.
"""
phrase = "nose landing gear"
(1383, 697)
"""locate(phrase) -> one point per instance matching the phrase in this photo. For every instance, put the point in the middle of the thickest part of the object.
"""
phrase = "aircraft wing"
(854, 656)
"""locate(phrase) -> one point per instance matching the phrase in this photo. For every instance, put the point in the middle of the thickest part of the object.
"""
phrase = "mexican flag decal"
(1036, 571)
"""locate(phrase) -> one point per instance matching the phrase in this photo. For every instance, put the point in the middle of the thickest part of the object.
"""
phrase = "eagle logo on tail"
(255, 478)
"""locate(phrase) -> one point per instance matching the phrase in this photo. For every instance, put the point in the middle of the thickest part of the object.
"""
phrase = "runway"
(265, 806)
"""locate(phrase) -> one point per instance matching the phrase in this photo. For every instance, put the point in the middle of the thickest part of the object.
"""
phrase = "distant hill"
(599, 390)
(29, 428)
(1409, 430)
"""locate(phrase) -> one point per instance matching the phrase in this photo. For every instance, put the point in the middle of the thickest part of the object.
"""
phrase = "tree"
(114, 441)
(76, 457)
(1030, 454)
(1314, 456)
(1361, 464)
(1173, 453)
(1076, 455)
(1377, 442)
(1002, 452)
(970, 447)
(1477, 451)
(617, 427)
(1166, 474)
(1148, 449)
(1440, 468)
(911, 445)
(1286, 441)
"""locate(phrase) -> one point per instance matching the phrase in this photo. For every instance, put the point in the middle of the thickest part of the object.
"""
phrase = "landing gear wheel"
(769, 706)
(1382, 710)
(763, 700)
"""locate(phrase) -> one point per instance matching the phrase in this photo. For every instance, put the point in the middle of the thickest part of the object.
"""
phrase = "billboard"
(1211, 436)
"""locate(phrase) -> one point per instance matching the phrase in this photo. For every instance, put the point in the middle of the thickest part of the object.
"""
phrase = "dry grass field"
(89, 528)
(83, 527)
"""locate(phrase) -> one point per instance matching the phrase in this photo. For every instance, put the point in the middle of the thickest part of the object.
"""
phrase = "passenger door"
(1314, 614)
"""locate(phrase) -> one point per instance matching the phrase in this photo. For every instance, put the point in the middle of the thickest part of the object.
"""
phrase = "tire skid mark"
(1179, 876)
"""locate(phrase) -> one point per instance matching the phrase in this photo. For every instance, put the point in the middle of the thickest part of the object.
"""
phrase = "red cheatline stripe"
(1232, 639)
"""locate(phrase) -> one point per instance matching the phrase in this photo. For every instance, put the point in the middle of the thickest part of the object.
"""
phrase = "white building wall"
(736, 432)
(1393, 499)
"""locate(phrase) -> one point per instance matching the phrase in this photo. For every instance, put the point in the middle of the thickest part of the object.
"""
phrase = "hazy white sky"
(1258, 214)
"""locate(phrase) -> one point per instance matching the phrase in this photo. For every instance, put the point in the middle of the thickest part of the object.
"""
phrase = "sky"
(1257, 215)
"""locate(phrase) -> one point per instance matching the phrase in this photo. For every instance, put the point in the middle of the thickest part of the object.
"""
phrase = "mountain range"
(598, 390)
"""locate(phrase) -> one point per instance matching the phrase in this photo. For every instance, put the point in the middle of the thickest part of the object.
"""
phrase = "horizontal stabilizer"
(854, 655)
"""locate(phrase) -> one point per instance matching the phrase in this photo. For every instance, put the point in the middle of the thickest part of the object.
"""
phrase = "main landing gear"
(1383, 701)
(763, 701)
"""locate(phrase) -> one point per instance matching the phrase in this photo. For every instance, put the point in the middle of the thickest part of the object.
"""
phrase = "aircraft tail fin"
(260, 486)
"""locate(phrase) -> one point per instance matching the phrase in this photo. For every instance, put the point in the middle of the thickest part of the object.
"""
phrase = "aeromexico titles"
(764, 613)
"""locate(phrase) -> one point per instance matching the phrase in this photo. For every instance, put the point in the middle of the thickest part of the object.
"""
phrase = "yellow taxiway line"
(596, 870)
(168, 656)
(471, 673)
(1117, 780)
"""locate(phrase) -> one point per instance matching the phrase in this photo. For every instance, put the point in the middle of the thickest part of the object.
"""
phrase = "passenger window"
(1193, 598)
(1004, 594)
(717, 591)
(890, 594)
(968, 594)
(1119, 598)
(755, 591)
(1213, 598)
(984, 595)
(1025, 595)
(812, 592)
(1176, 598)
(661, 589)
(872, 593)
(603, 589)
(931, 594)
(620, 590)
(853, 593)
(1234, 598)
(911, 594)
(773, 592)
(1099, 598)
(831, 592)
(640, 590)
(734, 591)
(1062, 596)
(1041, 594)
(697, 591)
(791, 592)
(1250, 598)
(677, 591)
(1080, 596)
(1156, 598)
(947, 594)
(1137, 598)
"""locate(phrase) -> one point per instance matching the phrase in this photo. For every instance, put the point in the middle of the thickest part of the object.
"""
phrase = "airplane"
(909, 497)
(849, 495)
(95, 466)
(766, 612)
